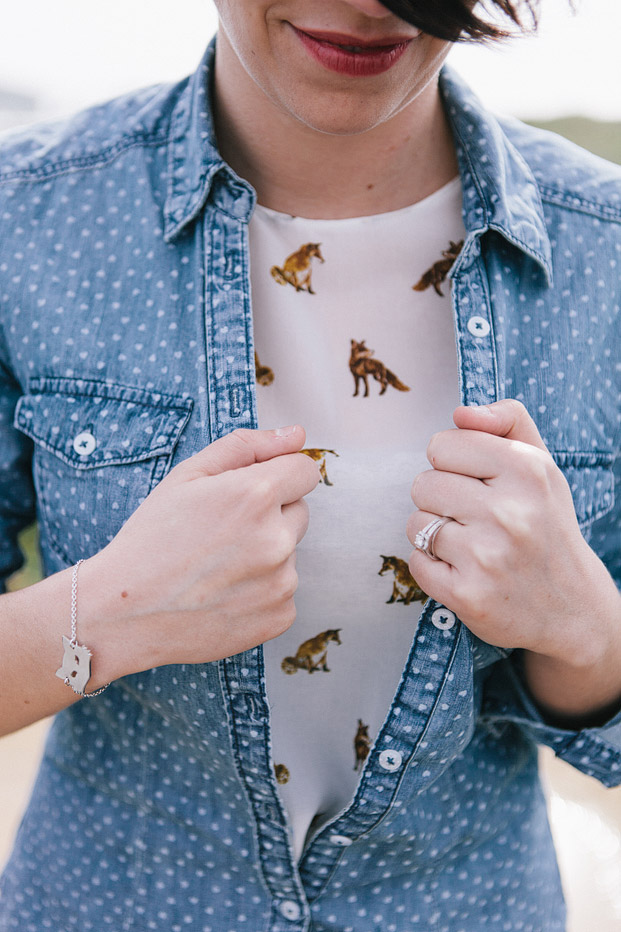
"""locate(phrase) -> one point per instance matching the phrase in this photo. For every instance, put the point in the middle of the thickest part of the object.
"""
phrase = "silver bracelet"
(76, 666)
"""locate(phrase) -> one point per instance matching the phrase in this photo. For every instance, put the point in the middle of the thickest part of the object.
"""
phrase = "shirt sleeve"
(17, 499)
(507, 701)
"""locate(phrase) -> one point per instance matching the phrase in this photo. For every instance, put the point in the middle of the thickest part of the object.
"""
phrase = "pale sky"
(71, 53)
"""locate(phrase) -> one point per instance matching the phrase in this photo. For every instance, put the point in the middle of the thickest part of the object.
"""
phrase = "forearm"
(583, 690)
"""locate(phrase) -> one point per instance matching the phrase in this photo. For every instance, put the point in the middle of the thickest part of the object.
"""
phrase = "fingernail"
(285, 431)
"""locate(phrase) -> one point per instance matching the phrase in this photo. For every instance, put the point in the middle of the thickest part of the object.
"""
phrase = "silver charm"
(76, 666)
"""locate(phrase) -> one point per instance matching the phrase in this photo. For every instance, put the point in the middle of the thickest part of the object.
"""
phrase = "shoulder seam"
(573, 202)
(86, 161)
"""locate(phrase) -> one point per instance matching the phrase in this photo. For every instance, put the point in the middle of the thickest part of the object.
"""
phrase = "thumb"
(507, 418)
(243, 448)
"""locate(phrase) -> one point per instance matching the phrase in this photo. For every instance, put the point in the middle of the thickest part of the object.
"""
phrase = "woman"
(323, 211)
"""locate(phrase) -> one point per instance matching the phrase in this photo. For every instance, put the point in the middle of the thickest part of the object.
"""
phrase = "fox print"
(281, 772)
(297, 270)
(312, 655)
(362, 364)
(263, 374)
(362, 744)
(317, 454)
(439, 270)
(404, 588)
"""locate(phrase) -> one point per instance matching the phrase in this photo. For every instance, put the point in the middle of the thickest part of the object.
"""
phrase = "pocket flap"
(89, 424)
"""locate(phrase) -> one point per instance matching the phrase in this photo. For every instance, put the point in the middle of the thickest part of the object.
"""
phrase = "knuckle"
(432, 448)
(282, 545)
(261, 492)
(283, 620)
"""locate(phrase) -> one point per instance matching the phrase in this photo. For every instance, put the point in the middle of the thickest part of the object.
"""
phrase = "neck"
(298, 170)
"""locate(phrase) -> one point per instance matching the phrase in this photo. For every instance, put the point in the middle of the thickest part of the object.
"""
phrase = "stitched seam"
(82, 162)
(574, 202)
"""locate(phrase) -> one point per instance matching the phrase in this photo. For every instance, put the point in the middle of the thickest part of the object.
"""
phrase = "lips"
(352, 55)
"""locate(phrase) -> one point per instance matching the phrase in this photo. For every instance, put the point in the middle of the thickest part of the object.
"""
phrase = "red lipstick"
(351, 55)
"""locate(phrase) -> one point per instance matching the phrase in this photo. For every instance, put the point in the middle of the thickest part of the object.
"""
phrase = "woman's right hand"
(205, 567)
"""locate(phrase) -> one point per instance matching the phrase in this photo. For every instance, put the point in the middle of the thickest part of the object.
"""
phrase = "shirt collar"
(194, 163)
(499, 189)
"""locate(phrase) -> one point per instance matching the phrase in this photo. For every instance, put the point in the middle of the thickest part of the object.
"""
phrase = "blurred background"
(57, 57)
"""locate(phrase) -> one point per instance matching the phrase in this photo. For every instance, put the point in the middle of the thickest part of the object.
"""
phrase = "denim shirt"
(126, 346)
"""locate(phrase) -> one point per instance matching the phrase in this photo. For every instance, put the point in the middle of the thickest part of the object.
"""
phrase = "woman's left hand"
(513, 565)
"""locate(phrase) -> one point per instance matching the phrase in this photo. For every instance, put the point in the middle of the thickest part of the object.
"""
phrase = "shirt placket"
(232, 404)
(413, 741)
(416, 738)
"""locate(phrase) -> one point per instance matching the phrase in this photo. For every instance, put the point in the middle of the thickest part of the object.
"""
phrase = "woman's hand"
(205, 567)
(513, 564)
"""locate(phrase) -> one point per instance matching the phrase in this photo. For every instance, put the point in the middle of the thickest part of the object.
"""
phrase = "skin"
(217, 534)
(220, 531)
(354, 146)
(514, 565)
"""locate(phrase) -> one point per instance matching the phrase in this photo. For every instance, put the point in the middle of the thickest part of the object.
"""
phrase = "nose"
(371, 8)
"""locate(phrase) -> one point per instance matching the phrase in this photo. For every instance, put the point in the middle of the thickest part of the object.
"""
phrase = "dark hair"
(455, 20)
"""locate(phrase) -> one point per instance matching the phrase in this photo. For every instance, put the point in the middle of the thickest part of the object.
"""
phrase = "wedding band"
(424, 539)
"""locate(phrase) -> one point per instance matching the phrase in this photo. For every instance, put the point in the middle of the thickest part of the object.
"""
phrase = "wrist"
(104, 625)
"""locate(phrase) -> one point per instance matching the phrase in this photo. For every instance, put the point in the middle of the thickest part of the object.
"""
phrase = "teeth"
(352, 48)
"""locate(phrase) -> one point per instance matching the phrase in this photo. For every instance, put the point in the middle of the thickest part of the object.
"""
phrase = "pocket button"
(84, 443)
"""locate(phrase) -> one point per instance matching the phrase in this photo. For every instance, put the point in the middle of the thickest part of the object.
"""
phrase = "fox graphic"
(362, 365)
(295, 265)
(440, 269)
(403, 578)
(362, 744)
(316, 455)
(264, 375)
(281, 773)
(312, 654)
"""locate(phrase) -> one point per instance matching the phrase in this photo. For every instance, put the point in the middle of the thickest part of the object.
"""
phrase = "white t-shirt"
(367, 364)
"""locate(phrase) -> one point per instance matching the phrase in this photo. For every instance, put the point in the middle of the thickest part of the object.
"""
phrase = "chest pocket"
(100, 448)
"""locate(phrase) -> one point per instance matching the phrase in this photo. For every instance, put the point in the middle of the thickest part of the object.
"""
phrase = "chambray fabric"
(126, 346)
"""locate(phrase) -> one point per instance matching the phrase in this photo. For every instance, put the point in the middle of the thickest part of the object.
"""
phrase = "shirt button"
(390, 760)
(342, 840)
(478, 326)
(84, 443)
(290, 910)
(443, 619)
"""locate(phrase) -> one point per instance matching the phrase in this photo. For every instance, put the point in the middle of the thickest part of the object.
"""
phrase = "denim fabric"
(125, 347)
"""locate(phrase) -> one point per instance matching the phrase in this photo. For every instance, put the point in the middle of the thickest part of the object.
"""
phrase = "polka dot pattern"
(126, 346)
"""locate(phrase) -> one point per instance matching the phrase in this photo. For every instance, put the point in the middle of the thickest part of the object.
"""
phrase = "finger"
(479, 454)
(436, 578)
(242, 448)
(507, 418)
(288, 478)
(296, 516)
(447, 493)
(448, 542)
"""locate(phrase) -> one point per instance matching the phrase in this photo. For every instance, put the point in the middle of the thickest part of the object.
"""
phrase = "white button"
(341, 840)
(290, 910)
(443, 619)
(478, 326)
(84, 443)
(390, 760)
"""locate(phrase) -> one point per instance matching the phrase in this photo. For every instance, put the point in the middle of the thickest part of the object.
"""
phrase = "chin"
(349, 119)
